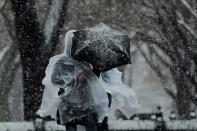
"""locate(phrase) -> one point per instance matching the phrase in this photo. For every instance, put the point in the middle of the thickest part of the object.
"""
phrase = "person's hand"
(61, 91)
(80, 75)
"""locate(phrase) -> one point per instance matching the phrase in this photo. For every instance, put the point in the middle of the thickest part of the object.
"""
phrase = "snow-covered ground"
(113, 125)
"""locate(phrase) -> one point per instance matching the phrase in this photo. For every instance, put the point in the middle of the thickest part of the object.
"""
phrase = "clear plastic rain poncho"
(83, 92)
(123, 97)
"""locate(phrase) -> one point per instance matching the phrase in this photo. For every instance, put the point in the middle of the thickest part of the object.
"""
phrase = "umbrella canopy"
(101, 46)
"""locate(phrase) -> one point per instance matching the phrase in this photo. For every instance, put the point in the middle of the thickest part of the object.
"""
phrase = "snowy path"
(113, 125)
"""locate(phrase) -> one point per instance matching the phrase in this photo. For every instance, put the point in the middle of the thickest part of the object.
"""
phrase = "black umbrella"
(101, 46)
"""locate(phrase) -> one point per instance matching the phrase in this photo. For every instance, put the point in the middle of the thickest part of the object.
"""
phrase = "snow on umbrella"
(101, 46)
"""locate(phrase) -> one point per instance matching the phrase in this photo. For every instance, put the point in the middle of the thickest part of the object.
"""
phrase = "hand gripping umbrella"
(101, 46)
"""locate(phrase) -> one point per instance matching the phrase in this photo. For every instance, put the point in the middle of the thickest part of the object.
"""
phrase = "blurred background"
(163, 49)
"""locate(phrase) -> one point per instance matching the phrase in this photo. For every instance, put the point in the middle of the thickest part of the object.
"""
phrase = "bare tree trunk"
(7, 72)
(34, 50)
(4, 108)
(8, 66)
(183, 94)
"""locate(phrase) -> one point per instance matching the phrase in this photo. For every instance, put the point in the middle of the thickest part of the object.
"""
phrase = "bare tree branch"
(162, 45)
(8, 24)
(153, 66)
(185, 3)
(187, 27)
(52, 19)
(159, 57)
(170, 93)
(2, 3)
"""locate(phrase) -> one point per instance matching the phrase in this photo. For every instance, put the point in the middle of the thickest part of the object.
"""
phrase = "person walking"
(73, 94)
